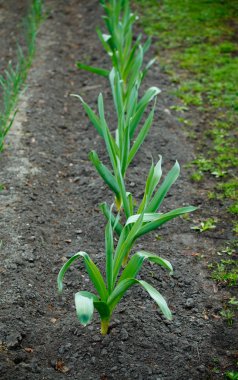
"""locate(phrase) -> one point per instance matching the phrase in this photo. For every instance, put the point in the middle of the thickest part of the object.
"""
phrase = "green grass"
(13, 78)
(198, 48)
(226, 272)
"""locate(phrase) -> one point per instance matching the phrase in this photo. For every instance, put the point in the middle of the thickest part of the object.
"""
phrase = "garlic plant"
(111, 290)
(123, 146)
(126, 57)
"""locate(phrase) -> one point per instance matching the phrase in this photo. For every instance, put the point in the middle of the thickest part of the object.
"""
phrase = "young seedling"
(233, 301)
(127, 58)
(123, 147)
(137, 225)
(205, 225)
(228, 315)
(11, 82)
(110, 292)
(153, 194)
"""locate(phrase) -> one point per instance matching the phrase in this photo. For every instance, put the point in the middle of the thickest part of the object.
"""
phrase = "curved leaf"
(148, 66)
(91, 114)
(93, 272)
(136, 262)
(124, 285)
(104, 38)
(124, 245)
(91, 69)
(148, 217)
(105, 173)
(84, 308)
(158, 298)
(156, 259)
(163, 218)
(164, 188)
(141, 137)
(141, 106)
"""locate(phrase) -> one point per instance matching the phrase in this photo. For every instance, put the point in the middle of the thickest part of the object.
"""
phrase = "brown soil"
(50, 209)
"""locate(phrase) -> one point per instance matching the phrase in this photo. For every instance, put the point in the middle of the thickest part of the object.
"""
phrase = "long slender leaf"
(148, 66)
(109, 141)
(125, 150)
(106, 212)
(164, 218)
(123, 286)
(122, 188)
(91, 114)
(142, 105)
(158, 298)
(104, 38)
(148, 217)
(141, 137)
(105, 173)
(93, 272)
(156, 259)
(109, 247)
(136, 262)
(91, 69)
(164, 188)
(124, 245)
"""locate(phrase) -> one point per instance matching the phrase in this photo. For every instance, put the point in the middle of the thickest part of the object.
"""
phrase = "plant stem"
(125, 260)
(118, 203)
(104, 326)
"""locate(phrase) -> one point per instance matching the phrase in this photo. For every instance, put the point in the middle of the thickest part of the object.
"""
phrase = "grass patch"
(198, 48)
(13, 78)
(226, 272)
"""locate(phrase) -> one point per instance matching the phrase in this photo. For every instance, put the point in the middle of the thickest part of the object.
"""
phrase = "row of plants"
(14, 76)
(200, 56)
(124, 220)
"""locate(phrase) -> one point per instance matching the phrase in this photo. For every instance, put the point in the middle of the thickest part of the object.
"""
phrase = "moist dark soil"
(49, 209)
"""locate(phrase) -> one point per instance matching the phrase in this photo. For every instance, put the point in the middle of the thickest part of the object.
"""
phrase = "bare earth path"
(49, 209)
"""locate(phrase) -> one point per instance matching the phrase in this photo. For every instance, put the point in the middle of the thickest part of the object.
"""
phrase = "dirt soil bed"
(50, 210)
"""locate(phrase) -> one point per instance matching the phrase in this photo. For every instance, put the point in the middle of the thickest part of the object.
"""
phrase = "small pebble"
(189, 303)
(124, 334)
(104, 351)
(13, 340)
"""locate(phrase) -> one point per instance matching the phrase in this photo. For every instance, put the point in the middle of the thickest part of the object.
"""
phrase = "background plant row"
(14, 76)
